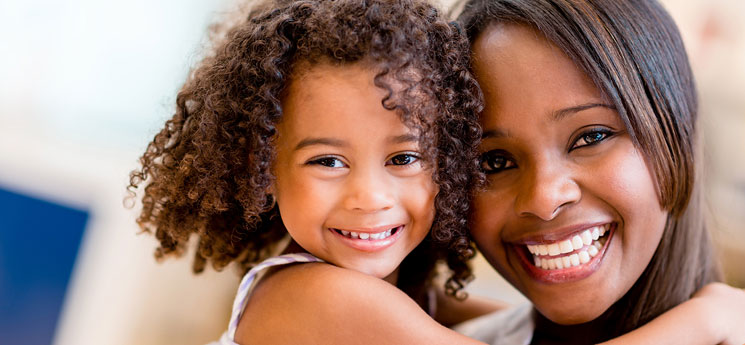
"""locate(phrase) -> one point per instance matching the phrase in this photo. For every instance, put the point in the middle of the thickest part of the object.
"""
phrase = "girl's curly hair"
(207, 172)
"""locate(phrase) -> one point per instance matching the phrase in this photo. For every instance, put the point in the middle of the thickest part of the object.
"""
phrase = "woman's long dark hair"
(633, 52)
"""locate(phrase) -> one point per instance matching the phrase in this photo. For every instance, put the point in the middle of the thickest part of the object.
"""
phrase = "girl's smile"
(370, 239)
(351, 185)
(570, 213)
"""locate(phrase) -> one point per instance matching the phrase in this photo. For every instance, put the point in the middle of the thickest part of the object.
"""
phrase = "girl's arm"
(322, 304)
(715, 315)
(451, 311)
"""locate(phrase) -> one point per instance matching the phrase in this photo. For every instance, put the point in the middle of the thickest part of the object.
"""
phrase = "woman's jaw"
(565, 294)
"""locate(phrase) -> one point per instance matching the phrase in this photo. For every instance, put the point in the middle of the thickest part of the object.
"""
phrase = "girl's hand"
(724, 307)
(715, 315)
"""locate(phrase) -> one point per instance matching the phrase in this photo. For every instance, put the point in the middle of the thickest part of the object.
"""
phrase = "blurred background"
(84, 85)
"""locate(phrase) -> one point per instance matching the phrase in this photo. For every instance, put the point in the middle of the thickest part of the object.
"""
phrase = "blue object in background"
(39, 241)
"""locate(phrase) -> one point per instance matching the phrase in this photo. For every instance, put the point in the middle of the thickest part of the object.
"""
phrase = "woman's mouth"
(571, 258)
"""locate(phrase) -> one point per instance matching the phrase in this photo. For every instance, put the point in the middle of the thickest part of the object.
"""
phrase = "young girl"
(592, 204)
(349, 125)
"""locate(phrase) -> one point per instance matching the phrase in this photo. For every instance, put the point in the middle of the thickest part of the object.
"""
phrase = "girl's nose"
(545, 191)
(369, 191)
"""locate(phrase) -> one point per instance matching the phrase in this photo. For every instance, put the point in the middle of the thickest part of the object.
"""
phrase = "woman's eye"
(403, 159)
(590, 138)
(329, 162)
(493, 162)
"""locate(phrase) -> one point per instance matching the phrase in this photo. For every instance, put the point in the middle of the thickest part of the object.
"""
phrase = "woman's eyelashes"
(495, 161)
(591, 137)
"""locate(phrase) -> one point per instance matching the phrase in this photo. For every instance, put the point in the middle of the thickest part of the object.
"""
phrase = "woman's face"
(570, 214)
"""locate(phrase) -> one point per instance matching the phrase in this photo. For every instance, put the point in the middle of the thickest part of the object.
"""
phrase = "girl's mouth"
(368, 236)
(568, 259)
(369, 241)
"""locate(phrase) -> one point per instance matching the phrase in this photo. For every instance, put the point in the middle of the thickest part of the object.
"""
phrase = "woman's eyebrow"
(562, 113)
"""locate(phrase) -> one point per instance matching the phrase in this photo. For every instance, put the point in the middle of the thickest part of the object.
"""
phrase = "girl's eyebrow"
(404, 138)
(398, 139)
(320, 141)
(562, 113)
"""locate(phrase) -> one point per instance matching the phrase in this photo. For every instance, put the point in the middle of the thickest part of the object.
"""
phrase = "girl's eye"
(493, 162)
(329, 162)
(403, 159)
(590, 138)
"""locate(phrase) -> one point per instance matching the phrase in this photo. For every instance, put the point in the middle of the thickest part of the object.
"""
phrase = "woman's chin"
(567, 316)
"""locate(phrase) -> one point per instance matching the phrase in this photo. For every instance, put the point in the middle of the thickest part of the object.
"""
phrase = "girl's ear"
(271, 195)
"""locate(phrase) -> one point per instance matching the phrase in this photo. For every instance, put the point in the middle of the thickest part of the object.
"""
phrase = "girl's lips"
(369, 241)
(565, 265)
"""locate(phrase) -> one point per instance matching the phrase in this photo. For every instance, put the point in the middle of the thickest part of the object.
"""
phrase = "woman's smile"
(569, 214)
(572, 258)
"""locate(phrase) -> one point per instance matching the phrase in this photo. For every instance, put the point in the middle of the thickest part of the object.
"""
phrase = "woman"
(591, 206)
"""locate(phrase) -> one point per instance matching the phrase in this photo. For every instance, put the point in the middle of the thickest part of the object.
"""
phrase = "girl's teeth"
(584, 245)
(366, 235)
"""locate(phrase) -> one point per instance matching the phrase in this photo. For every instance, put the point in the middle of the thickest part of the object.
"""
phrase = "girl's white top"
(247, 284)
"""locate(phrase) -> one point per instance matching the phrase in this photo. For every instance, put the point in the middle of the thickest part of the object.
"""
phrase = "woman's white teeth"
(367, 235)
(584, 245)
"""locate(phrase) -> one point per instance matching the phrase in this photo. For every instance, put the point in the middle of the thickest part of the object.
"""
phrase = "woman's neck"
(548, 332)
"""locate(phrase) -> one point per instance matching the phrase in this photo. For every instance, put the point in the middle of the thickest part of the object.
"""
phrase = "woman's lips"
(572, 258)
(369, 241)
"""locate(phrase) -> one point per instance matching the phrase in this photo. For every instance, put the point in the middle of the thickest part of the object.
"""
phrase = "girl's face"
(570, 214)
(350, 186)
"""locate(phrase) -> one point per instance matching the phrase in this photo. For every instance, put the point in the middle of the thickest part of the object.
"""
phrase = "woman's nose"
(545, 191)
(369, 191)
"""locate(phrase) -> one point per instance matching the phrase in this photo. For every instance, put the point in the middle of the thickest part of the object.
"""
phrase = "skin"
(344, 162)
(558, 160)
(355, 185)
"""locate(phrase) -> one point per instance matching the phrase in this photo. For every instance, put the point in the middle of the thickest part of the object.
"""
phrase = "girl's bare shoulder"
(322, 303)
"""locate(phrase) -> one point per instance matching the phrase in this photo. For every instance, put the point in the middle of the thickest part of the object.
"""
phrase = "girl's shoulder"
(322, 303)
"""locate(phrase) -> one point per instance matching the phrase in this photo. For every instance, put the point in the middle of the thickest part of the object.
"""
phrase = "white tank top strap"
(241, 297)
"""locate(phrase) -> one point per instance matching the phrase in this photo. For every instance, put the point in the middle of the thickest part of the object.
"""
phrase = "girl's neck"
(548, 332)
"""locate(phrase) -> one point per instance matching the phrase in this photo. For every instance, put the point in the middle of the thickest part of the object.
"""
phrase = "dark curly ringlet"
(207, 172)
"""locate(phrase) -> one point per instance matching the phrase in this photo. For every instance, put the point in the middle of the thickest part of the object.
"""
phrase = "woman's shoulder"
(322, 303)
